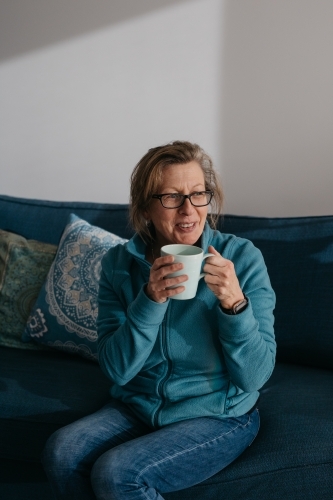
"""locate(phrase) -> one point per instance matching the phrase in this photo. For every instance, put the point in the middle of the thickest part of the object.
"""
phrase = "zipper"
(162, 382)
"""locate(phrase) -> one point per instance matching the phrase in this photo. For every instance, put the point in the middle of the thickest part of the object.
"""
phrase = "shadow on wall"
(27, 25)
(276, 117)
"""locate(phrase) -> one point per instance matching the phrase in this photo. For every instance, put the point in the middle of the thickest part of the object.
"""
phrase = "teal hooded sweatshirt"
(185, 358)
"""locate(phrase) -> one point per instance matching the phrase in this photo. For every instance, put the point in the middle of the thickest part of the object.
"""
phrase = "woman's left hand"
(221, 278)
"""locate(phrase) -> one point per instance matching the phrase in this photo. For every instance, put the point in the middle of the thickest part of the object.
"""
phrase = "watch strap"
(237, 308)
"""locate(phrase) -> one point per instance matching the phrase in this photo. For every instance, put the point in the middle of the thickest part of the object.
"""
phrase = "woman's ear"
(146, 215)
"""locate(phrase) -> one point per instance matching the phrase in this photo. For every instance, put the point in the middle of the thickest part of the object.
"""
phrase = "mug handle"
(203, 258)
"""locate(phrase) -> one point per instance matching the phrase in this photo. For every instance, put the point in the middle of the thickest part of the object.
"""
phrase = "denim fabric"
(113, 455)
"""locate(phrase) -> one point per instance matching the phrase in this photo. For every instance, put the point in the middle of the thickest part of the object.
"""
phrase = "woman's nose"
(186, 207)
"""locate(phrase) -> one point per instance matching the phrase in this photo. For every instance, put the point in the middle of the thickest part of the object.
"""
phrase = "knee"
(112, 472)
(59, 452)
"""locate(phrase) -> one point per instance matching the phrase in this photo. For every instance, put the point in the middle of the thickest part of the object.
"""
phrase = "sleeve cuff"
(146, 311)
(239, 325)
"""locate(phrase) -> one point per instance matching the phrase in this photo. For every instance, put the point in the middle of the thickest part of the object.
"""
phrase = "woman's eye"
(172, 196)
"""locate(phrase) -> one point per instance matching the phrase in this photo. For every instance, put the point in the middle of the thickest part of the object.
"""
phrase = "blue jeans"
(111, 454)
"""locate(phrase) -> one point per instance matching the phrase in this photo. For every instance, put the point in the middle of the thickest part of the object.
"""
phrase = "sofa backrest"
(45, 220)
(298, 253)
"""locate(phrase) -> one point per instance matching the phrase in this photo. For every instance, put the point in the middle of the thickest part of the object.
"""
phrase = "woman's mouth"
(186, 226)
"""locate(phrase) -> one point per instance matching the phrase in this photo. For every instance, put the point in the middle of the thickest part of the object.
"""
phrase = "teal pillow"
(24, 265)
(64, 315)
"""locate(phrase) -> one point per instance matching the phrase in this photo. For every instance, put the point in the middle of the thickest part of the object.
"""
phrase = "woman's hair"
(146, 179)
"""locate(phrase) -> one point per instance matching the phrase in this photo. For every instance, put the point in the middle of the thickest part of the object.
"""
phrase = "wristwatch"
(238, 307)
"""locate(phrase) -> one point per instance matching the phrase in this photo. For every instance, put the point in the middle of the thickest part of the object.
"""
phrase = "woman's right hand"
(158, 285)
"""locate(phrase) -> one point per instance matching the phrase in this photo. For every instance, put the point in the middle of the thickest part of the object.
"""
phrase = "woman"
(184, 374)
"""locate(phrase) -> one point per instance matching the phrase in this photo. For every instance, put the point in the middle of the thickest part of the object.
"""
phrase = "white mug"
(191, 257)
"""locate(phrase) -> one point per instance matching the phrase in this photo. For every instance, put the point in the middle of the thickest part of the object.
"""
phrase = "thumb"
(211, 249)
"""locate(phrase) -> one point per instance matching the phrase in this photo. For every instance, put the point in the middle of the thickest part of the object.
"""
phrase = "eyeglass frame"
(184, 196)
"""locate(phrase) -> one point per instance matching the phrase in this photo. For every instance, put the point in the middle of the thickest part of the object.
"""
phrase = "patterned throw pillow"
(24, 265)
(64, 315)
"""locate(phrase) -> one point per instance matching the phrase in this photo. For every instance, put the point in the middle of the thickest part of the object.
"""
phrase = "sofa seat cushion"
(21, 480)
(292, 454)
(41, 391)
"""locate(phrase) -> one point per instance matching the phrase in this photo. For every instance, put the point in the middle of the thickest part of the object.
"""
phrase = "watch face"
(239, 307)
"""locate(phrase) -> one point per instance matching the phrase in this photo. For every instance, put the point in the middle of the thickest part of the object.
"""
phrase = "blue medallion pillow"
(65, 313)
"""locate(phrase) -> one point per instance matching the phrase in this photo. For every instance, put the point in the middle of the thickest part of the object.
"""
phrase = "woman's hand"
(222, 280)
(158, 285)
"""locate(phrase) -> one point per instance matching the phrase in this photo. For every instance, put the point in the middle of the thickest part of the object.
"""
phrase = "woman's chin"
(187, 239)
(180, 237)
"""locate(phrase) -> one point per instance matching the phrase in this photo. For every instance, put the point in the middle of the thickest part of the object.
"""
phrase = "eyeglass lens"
(175, 200)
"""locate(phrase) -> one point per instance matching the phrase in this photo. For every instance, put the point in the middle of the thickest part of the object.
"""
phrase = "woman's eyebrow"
(197, 185)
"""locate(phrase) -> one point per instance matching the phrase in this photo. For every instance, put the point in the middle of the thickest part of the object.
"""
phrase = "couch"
(44, 387)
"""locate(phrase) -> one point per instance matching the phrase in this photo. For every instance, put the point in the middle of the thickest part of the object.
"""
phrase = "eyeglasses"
(176, 200)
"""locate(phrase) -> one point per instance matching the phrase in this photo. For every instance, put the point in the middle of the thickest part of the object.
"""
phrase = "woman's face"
(184, 224)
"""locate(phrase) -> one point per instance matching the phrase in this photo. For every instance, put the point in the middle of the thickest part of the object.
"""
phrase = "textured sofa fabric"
(46, 220)
(299, 256)
(292, 457)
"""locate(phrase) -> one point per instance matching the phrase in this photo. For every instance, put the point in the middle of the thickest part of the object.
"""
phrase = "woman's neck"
(153, 251)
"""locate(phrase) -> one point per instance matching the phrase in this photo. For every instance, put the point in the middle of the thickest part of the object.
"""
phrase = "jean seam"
(190, 449)
(256, 434)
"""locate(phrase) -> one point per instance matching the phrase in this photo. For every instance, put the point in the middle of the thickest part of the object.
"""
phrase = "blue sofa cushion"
(45, 220)
(52, 389)
(41, 391)
(299, 256)
(65, 313)
(291, 458)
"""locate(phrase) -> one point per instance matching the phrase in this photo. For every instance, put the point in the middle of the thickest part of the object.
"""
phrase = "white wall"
(277, 119)
(82, 111)
(87, 87)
